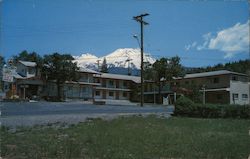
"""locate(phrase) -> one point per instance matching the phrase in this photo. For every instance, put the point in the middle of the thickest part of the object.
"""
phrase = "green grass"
(132, 137)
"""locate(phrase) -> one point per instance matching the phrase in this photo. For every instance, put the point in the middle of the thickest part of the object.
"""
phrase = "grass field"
(132, 137)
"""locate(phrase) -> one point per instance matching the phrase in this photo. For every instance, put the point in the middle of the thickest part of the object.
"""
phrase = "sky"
(202, 33)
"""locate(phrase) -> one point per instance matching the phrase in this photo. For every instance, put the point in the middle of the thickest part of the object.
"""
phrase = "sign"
(24, 86)
(165, 101)
(8, 75)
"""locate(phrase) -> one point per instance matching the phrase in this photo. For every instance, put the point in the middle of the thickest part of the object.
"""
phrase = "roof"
(88, 70)
(212, 73)
(18, 76)
(83, 83)
(28, 63)
(135, 79)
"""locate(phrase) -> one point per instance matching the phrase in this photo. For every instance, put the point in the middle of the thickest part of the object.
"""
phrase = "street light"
(137, 39)
(204, 94)
(139, 19)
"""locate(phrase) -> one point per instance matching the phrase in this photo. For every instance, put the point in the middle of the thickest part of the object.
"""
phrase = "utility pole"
(204, 94)
(98, 65)
(139, 19)
(128, 60)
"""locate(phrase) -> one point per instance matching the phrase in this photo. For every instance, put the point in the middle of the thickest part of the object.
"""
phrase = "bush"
(186, 107)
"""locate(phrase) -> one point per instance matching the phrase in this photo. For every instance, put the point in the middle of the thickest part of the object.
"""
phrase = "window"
(235, 96)
(235, 78)
(244, 96)
(97, 80)
(111, 94)
(124, 94)
(6, 87)
(219, 96)
(125, 84)
(97, 93)
(31, 70)
(216, 80)
(111, 83)
(84, 89)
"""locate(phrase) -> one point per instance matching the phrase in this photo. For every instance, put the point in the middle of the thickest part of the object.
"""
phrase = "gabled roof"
(212, 73)
(28, 63)
(135, 79)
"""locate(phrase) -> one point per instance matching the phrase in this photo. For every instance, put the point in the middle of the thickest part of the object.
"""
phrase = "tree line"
(241, 66)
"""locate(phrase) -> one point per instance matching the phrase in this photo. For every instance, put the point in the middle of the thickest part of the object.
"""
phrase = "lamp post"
(204, 94)
(139, 19)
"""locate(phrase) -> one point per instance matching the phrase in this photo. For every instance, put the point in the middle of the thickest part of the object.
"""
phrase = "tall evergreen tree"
(104, 67)
(164, 70)
(59, 68)
(2, 62)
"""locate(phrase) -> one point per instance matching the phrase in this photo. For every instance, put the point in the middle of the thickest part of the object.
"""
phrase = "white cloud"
(206, 38)
(232, 40)
(189, 46)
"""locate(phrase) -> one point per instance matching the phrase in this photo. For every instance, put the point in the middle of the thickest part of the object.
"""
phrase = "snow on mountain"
(85, 60)
(121, 58)
(118, 58)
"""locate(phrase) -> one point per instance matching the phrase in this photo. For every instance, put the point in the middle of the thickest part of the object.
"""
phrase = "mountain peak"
(119, 58)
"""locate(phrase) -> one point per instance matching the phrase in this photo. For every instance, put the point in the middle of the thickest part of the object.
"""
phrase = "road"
(41, 113)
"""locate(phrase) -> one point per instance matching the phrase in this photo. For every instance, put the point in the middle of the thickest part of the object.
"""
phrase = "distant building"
(225, 87)
(115, 87)
(80, 89)
(28, 80)
(84, 86)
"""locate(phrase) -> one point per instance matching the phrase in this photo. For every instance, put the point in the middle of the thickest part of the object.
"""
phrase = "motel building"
(224, 87)
(25, 82)
(115, 88)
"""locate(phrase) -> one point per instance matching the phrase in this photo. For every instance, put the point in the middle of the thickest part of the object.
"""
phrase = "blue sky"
(200, 32)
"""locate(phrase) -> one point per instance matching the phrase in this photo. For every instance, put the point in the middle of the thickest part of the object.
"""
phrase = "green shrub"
(186, 107)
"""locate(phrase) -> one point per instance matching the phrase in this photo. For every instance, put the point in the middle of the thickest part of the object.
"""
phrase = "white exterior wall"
(22, 70)
(238, 87)
(249, 92)
(26, 71)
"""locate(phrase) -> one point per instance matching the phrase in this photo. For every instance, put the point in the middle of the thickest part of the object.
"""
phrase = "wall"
(209, 82)
(238, 87)
(78, 91)
(220, 97)
(25, 71)
(22, 70)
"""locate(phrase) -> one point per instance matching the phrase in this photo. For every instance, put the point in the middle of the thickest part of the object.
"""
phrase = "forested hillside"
(242, 66)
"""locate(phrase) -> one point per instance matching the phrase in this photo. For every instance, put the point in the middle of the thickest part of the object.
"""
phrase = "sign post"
(8, 75)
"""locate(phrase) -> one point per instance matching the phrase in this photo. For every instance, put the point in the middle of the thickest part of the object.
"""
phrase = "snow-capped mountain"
(85, 59)
(118, 58)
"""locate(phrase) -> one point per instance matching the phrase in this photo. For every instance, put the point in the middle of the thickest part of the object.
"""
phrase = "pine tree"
(104, 67)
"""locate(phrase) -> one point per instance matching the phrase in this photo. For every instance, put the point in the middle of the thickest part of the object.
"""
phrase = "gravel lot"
(42, 113)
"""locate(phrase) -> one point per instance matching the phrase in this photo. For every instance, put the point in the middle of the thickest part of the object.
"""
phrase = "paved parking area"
(40, 113)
